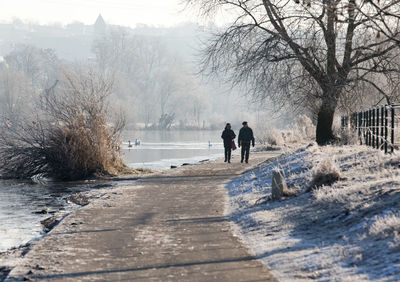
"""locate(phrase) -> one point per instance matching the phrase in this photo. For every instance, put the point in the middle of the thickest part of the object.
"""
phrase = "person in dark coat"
(228, 135)
(245, 137)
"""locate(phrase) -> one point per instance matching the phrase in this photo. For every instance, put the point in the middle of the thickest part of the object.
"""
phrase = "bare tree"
(40, 65)
(271, 44)
(16, 93)
(139, 62)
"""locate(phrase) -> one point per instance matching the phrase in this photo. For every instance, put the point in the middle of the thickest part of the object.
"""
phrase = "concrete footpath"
(165, 227)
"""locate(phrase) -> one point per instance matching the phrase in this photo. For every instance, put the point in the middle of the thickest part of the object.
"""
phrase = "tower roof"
(100, 26)
(100, 21)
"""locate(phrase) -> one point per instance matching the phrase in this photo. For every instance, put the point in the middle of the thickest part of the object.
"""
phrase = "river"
(163, 149)
(22, 204)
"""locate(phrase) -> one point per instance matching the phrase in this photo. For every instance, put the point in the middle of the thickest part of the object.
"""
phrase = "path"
(169, 227)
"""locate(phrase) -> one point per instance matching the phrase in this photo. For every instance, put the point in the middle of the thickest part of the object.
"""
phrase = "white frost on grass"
(347, 230)
(385, 226)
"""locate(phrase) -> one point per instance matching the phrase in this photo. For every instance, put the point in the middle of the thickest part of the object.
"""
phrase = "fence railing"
(376, 127)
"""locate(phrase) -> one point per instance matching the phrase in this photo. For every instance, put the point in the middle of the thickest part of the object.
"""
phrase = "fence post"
(373, 128)
(366, 127)
(392, 129)
(369, 128)
(386, 129)
(355, 121)
(360, 121)
(382, 125)
(377, 128)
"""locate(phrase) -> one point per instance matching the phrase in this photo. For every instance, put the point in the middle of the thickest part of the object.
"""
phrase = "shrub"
(300, 131)
(348, 136)
(69, 137)
(305, 127)
(385, 226)
(274, 137)
(326, 173)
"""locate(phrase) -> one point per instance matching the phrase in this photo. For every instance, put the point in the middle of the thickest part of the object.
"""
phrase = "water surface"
(24, 204)
(162, 149)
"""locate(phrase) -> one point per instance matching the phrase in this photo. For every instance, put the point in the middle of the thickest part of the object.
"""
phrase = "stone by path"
(166, 227)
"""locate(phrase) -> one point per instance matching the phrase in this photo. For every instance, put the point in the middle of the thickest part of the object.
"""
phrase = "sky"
(119, 12)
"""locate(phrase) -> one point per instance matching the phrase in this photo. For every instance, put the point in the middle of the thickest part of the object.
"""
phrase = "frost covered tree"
(40, 65)
(303, 49)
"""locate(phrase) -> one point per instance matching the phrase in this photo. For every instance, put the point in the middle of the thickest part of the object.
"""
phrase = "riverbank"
(29, 210)
(165, 225)
(345, 230)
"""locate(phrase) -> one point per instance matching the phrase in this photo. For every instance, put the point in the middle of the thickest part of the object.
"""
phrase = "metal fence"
(376, 127)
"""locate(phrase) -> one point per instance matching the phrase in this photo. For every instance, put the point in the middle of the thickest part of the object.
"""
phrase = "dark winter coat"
(246, 135)
(228, 135)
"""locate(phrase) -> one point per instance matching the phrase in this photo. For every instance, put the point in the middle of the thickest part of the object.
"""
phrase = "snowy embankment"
(345, 231)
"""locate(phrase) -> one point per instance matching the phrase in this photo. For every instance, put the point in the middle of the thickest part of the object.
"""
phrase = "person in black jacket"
(245, 137)
(228, 135)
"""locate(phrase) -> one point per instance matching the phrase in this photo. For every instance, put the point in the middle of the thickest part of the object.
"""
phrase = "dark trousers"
(228, 152)
(245, 151)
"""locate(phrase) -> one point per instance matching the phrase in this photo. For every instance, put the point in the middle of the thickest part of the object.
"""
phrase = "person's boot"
(241, 160)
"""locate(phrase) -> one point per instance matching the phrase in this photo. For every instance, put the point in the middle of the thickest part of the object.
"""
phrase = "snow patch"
(347, 231)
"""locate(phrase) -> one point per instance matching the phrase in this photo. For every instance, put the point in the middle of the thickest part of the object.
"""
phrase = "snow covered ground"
(348, 231)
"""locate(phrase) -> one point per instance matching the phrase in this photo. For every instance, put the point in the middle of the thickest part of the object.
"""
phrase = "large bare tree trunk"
(326, 114)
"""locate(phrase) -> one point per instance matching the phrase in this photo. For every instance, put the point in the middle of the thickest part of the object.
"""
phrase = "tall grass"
(300, 131)
(68, 137)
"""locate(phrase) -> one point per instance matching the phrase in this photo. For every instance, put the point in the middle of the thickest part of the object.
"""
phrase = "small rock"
(49, 223)
(41, 212)
(104, 185)
(4, 270)
(173, 166)
(78, 199)
(262, 200)
(312, 144)
(185, 164)
(278, 185)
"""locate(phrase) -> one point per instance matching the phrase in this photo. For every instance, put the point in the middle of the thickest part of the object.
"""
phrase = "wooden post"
(366, 128)
(352, 120)
(392, 129)
(386, 129)
(355, 122)
(373, 128)
(377, 131)
(382, 125)
(369, 127)
(360, 121)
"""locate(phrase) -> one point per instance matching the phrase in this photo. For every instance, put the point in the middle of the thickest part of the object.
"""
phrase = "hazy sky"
(120, 12)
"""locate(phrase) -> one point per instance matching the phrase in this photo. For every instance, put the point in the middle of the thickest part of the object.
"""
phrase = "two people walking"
(245, 138)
